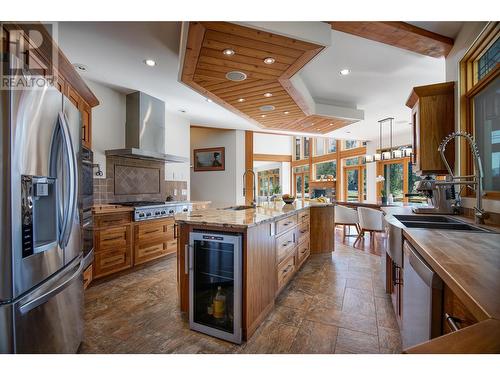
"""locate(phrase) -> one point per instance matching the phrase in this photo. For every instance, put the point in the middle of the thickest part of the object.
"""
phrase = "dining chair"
(370, 220)
(346, 216)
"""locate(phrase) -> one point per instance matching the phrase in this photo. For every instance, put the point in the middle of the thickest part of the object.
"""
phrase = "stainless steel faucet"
(474, 181)
(254, 203)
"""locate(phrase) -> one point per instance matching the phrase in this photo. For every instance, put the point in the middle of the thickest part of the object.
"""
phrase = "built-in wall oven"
(87, 201)
(215, 284)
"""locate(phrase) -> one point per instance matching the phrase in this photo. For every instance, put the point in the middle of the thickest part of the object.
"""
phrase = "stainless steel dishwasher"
(422, 299)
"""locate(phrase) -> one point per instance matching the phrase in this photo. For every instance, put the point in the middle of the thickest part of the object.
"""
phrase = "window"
(352, 161)
(480, 103)
(325, 169)
(320, 146)
(331, 145)
(306, 147)
(393, 184)
(488, 60)
(348, 144)
(269, 182)
(325, 146)
(487, 129)
(297, 148)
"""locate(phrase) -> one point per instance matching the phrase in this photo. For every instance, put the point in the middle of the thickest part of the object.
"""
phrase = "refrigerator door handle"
(73, 178)
(46, 296)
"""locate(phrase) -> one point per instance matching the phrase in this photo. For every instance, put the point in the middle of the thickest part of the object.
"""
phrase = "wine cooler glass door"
(215, 285)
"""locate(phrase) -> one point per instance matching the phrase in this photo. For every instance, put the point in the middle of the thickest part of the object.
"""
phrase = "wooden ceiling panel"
(205, 68)
(399, 34)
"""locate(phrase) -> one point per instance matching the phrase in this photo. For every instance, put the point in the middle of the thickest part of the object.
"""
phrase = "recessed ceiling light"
(344, 72)
(269, 60)
(331, 123)
(268, 94)
(81, 67)
(286, 112)
(182, 110)
(262, 115)
(241, 100)
(228, 52)
(209, 100)
(312, 123)
(150, 62)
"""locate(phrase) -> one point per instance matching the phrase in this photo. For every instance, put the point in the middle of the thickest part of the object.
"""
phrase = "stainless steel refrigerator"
(41, 263)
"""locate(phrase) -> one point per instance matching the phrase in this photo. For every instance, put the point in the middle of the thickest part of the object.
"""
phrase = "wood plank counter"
(469, 265)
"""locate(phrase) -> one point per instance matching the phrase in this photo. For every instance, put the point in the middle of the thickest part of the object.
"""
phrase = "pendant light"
(387, 155)
(378, 155)
(408, 151)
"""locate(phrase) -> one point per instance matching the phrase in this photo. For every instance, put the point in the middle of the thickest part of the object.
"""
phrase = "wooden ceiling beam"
(398, 34)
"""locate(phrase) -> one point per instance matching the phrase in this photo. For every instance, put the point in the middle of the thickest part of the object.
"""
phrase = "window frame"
(469, 87)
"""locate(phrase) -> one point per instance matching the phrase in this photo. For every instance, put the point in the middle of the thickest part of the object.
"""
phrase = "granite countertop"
(468, 262)
(245, 218)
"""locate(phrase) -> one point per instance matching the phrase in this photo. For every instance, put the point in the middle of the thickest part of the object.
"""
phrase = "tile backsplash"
(136, 180)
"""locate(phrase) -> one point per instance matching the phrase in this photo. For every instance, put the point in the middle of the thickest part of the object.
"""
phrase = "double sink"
(436, 222)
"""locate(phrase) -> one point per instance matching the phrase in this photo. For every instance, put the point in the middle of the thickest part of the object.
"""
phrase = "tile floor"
(335, 304)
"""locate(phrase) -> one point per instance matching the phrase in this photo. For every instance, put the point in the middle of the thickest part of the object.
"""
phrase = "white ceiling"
(381, 79)
(446, 28)
(114, 53)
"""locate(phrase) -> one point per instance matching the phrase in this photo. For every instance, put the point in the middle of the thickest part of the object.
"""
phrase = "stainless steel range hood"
(145, 130)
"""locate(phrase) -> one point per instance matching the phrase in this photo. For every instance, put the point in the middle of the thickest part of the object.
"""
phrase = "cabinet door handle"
(453, 322)
(150, 231)
(175, 230)
(186, 259)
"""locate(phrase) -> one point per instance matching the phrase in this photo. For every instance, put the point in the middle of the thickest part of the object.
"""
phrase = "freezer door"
(50, 319)
(34, 118)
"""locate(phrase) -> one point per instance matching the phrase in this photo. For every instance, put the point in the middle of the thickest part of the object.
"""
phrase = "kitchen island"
(276, 239)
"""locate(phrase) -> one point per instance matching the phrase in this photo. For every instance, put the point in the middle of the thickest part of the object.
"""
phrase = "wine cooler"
(215, 286)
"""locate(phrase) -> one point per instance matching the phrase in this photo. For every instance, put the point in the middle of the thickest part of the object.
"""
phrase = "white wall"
(108, 122)
(272, 144)
(108, 132)
(223, 188)
(467, 35)
(177, 142)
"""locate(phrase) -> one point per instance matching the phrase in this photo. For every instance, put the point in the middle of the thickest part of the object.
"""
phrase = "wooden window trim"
(468, 89)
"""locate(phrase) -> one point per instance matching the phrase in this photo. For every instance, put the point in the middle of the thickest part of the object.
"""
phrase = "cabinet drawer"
(284, 244)
(285, 224)
(112, 238)
(171, 246)
(285, 271)
(108, 262)
(147, 232)
(144, 253)
(303, 252)
(112, 219)
(303, 231)
(304, 216)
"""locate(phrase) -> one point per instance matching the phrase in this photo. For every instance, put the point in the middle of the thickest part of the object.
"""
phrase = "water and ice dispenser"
(39, 214)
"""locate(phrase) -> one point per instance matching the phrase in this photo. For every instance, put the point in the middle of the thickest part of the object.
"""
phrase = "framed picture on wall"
(209, 159)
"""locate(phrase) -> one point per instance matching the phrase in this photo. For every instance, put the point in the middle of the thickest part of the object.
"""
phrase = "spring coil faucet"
(474, 181)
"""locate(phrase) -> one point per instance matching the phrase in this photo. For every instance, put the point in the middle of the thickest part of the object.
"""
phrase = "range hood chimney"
(145, 130)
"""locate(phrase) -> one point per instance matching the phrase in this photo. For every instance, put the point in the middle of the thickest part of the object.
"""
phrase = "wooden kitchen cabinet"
(65, 77)
(112, 243)
(456, 310)
(432, 118)
(153, 239)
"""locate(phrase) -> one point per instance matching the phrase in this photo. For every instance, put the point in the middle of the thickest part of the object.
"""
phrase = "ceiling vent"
(267, 108)
(236, 76)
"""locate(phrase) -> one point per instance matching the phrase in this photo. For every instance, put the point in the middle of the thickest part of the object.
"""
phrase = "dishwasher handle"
(422, 269)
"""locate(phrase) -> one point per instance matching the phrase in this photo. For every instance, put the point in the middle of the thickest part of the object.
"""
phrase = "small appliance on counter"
(441, 197)
(214, 261)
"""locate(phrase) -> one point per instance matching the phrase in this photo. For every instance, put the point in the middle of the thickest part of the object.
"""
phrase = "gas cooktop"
(147, 210)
